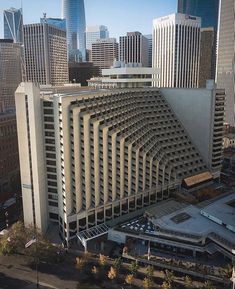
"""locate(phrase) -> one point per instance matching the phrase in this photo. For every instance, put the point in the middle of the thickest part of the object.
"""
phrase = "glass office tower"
(13, 24)
(57, 22)
(73, 11)
(208, 10)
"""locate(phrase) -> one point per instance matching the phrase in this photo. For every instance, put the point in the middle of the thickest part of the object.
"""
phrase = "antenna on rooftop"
(44, 18)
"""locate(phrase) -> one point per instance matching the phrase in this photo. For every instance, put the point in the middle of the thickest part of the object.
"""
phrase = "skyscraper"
(45, 53)
(94, 33)
(13, 24)
(10, 72)
(73, 11)
(133, 48)
(226, 61)
(176, 50)
(104, 52)
(208, 10)
(98, 155)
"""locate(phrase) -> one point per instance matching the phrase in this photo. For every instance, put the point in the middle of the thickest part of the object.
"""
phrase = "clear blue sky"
(120, 16)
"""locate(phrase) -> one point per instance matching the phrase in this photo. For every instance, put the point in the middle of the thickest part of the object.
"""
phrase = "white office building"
(176, 50)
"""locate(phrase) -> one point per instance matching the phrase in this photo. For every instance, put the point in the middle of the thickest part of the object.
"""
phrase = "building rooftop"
(171, 219)
(223, 211)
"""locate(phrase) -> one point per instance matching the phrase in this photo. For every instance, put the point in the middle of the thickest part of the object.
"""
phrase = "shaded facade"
(45, 53)
(13, 24)
(10, 72)
(226, 58)
(73, 11)
(81, 72)
(9, 156)
(150, 48)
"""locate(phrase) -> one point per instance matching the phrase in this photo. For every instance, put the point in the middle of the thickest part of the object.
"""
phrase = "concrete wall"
(193, 107)
(31, 151)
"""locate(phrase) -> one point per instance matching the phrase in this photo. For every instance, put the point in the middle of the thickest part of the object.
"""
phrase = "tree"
(117, 264)
(188, 282)
(102, 260)
(112, 274)
(80, 262)
(18, 235)
(150, 271)
(208, 285)
(169, 276)
(95, 272)
(147, 283)
(134, 268)
(227, 271)
(129, 279)
(166, 285)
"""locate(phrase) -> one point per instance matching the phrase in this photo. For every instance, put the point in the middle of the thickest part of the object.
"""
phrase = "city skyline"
(98, 12)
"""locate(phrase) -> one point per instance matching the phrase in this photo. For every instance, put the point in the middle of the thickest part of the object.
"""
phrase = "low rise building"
(122, 75)
(187, 229)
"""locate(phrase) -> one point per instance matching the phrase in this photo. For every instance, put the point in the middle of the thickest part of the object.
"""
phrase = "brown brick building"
(9, 159)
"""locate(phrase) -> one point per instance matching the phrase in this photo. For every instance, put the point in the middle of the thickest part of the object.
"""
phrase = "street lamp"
(6, 218)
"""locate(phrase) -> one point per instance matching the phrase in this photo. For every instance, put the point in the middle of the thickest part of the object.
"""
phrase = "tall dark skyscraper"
(73, 11)
(13, 24)
(208, 10)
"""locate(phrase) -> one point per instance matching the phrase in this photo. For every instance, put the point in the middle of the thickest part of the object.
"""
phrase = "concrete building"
(226, 58)
(88, 157)
(207, 64)
(104, 52)
(10, 72)
(122, 75)
(133, 48)
(94, 33)
(73, 11)
(45, 53)
(205, 131)
(13, 24)
(176, 50)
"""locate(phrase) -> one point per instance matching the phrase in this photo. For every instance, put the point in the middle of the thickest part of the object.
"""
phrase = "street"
(15, 273)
